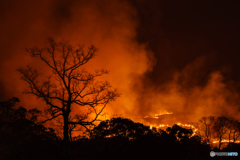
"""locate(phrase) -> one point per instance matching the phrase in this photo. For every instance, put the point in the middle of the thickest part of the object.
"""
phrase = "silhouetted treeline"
(219, 130)
(124, 139)
(22, 137)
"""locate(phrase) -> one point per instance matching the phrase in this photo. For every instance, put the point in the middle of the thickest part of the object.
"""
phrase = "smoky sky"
(191, 40)
(176, 56)
(186, 30)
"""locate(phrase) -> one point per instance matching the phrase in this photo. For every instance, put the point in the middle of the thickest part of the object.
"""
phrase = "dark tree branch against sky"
(71, 86)
(164, 56)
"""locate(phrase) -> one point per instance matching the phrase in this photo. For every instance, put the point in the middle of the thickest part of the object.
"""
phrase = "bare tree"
(70, 85)
(220, 128)
(204, 127)
(233, 130)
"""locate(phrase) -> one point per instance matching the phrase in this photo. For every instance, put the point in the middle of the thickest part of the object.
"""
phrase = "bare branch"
(73, 86)
(49, 119)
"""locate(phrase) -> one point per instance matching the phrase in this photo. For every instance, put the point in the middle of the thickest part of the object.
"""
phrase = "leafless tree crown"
(70, 85)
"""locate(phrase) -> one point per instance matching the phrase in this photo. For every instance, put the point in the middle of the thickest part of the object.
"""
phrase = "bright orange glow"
(226, 141)
(156, 115)
(188, 126)
(162, 125)
(113, 27)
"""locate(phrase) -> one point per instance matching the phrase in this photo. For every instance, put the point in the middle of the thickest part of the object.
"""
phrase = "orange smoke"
(111, 26)
(188, 103)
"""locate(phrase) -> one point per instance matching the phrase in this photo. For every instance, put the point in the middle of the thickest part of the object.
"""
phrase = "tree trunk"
(234, 138)
(65, 129)
(65, 137)
(220, 142)
(229, 137)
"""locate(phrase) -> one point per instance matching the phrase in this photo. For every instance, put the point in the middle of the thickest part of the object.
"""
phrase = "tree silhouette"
(180, 134)
(121, 138)
(20, 135)
(220, 128)
(72, 87)
(205, 130)
(18, 121)
(233, 132)
(120, 127)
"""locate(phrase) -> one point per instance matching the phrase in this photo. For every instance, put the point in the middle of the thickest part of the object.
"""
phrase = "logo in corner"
(212, 154)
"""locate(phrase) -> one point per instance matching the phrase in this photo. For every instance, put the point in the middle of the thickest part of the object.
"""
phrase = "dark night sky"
(180, 31)
(182, 53)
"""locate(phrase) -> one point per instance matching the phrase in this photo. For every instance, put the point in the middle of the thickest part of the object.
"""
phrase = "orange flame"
(226, 141)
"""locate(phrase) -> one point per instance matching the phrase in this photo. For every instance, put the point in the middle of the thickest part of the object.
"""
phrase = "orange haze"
(110, 26)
